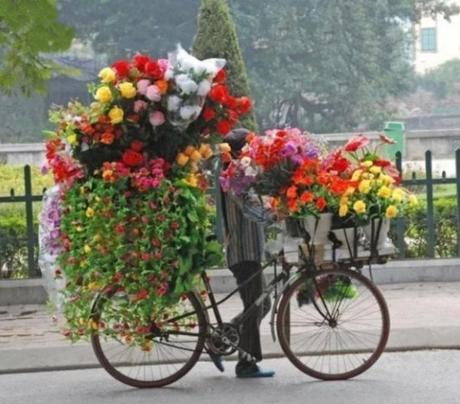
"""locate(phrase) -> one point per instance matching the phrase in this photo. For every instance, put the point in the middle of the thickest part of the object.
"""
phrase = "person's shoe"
(217, 360)
(254, 372)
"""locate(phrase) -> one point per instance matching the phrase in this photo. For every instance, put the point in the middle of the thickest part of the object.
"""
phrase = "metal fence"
(30, 239)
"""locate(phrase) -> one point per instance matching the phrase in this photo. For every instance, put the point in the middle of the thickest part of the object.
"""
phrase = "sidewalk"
(423, 316)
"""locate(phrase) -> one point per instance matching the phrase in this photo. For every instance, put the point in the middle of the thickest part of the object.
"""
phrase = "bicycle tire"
(311, 360)
(117, 369)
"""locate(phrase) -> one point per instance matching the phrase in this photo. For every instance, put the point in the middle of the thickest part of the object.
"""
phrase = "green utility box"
(395, 131)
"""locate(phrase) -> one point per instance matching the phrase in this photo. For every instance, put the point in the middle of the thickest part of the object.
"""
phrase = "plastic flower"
(127, 90)
(103, 94)
(391, 212)
(182, 159)
(359, 207)
(384, 192)
(107, 75)
(116, 115)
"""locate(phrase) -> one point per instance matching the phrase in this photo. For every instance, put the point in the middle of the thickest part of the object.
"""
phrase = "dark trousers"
(249, 329)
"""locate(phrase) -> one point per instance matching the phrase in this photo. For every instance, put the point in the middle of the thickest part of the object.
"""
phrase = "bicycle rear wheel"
(333, 324)
(170, 350)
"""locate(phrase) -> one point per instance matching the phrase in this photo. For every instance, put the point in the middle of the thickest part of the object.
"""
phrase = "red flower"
(208, 113)
(140, 61)
(141, 295)
(321, 203)
(223, 127)
(137, 145)
(107, 138)
(244, 105)
(231, 102)
(386, 139)
(355, 143)
(152, 68)
(221, 76)
(219, 93)
(382, 163)
(119, 228)
(121, 67)
(291, 192)
(132, 158)
(306, 197)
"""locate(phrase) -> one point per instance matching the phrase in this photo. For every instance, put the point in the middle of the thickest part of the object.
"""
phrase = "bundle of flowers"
(373, 190)
(131, 171)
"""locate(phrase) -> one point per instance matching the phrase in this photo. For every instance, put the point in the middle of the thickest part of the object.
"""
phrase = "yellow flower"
(349, 191)
(182, 159)
(116, 115)
(72, 139)
(90, 212)
(97, 238)
(127, 90)
(397, 195)
(375, 170)
(387, 179)
(93, 286)
(195, 156)
(93, 324)
(368, 163)
(384, 192)
(87, 249)
(343, 200)
(189, 150)
(103, 94)
(225, 148)
(192, 180)
(391, 212)
(343, 210)
(107, 75)
(205, 150)
(364, 186)
(413, 200)
(356, 175)
(359, 207)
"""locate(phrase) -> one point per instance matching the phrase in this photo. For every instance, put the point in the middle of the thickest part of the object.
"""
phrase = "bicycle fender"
(289, 282)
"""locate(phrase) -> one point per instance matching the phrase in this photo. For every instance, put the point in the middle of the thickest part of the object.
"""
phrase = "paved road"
(406, 378)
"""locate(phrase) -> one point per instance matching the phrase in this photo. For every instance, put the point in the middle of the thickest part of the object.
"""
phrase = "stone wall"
(442, 143)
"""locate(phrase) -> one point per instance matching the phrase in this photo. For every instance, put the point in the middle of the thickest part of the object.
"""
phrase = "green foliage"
(216, 37)
(445, 216)
(12, 177)
(27, 30)
(151, 245)
(443, 80)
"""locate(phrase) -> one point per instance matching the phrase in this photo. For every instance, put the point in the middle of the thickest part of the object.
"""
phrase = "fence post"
(33, 272)
(429, 205)
(400, 223)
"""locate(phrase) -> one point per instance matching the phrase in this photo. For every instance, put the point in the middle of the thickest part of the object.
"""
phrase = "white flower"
(250, 172)
(186, 84)
(203, 88)
(245, 161)
(189, 111)
(169, 74)
(174, 103)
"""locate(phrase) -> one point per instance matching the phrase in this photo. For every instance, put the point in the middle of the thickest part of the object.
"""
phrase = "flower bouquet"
(131, 173)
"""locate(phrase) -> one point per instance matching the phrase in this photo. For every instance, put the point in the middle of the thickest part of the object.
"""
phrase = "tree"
(216, 37)
(27, 30)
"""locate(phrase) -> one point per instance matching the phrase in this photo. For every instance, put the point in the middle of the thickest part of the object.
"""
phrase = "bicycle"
(332, 324)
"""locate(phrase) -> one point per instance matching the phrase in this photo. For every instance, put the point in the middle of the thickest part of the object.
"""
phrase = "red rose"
(132, 158)
(137, 145)
(244, 105)
(221, 76)
(152, 68)
(208, 113)
(231, 102)
(340, 164)
(121, 67)
(219, 93)
(223, 127)
(321, 203)
(140, 61)
(232, 117)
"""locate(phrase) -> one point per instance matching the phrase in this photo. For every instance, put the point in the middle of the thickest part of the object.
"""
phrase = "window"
(428, 39)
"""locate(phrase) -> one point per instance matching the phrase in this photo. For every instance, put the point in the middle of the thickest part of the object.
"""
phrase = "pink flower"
(142, 86)
(355, 143)
(139, 106)
(163, 63)
(157, 118)
(153, 93)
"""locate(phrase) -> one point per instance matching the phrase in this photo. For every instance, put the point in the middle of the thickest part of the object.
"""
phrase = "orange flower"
(275, 202)
(292, 205)
(189, 150)
(107, 138)
(291, 192)
(306, 197)
(162, 85)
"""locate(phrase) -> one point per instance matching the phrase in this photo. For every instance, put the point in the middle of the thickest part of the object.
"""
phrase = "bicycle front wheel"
(333, 324)
(168, 350)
